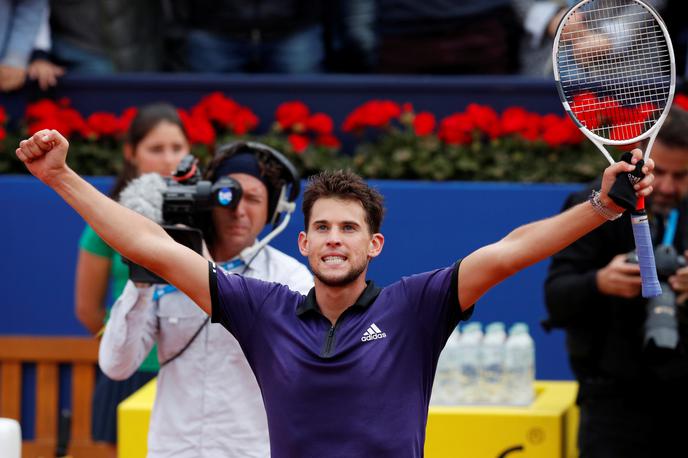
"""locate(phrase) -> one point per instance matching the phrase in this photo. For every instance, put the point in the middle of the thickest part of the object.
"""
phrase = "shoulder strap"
(179, 353)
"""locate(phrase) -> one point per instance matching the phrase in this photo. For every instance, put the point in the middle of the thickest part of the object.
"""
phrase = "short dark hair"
(346, 185)
(674, 132)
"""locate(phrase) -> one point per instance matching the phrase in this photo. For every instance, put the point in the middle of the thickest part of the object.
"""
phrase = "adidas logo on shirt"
(373, 333)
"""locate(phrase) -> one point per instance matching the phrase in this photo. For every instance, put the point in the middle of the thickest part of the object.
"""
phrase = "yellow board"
(546, 429)
(133, 417)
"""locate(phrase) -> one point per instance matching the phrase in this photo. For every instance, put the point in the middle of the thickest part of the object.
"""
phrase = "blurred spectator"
(350, 35)
(103, 36)
(540, 19)
(20, 21)
(41, 69)
(255, 36)
(155, 142)
(447, 37)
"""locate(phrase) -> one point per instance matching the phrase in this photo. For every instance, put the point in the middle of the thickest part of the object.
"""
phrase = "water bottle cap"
(518, 328)
(473, 326)
(495, 326)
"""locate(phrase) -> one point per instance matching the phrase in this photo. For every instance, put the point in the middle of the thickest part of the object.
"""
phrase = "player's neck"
(333, 300)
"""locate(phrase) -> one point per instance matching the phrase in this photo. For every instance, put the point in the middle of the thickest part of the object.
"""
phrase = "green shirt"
(119, 273)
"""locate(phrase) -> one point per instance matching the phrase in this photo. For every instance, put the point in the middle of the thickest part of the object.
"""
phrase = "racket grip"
(646, 255)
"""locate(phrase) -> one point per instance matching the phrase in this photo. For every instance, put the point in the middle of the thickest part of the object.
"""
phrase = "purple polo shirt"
(359, 388)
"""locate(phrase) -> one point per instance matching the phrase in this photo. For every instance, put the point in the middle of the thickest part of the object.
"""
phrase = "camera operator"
(208, 403)
(632, 388)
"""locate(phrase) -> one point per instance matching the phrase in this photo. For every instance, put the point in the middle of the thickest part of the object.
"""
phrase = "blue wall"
(428, 225)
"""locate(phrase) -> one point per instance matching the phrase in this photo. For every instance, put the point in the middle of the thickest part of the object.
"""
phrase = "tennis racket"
(615, 73)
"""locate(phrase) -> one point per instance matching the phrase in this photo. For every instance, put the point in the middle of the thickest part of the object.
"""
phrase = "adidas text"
(373, 333)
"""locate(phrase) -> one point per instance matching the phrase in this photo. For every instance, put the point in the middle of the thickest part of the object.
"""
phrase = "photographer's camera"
(661, 322)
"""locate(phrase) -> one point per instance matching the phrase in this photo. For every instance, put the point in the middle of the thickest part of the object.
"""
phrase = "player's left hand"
(642, 189)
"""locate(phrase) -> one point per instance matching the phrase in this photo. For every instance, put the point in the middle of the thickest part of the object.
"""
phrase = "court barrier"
(80, 354)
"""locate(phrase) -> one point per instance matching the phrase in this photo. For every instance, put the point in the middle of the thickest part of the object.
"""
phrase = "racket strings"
(615, 67)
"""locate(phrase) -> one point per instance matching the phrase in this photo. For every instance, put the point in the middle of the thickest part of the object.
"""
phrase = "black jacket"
(129, 34)
(604, 333)
(241, 19)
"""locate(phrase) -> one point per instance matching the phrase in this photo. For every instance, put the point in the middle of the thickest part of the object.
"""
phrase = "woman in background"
(155, 142)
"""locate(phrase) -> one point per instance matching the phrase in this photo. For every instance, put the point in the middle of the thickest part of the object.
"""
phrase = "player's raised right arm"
(134, 236)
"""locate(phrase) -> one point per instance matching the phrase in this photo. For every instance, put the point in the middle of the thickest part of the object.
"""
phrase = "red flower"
(217, 107)
(49, 123)
(626, 131)
(588, 109)
(103, 124)
(198, 128)
(424, 123)
(484, 118)
(42, 109)
(681, 100)
(407, 108)
(3, 115)
(320, 123)
(514, 121)
(3, 134)
(456, 129)
(299, 143)
(127, 117)
(376, 114)
(244, 121)
(75, 122)
(328, 141)
(531, 129)
(292, 115)
(558, 131)
(648, 110)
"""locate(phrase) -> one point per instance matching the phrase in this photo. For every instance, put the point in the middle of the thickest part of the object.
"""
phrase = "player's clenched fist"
(44, 154)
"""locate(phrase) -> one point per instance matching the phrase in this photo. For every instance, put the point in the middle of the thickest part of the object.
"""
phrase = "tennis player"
(348, 369)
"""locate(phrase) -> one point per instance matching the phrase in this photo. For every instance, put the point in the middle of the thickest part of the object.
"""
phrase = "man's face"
(671, 176)
(238, 228)
(338, 242)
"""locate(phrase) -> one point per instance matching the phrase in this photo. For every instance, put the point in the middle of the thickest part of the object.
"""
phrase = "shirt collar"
(366, 298)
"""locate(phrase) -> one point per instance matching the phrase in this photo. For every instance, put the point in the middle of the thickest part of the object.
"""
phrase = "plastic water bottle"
(493, 386)
(446, 387)
(469, 363)
(520, 365)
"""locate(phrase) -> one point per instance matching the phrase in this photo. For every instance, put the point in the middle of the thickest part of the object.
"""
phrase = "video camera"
(185, 198)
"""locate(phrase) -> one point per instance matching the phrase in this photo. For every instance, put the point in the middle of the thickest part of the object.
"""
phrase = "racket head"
(614, 69)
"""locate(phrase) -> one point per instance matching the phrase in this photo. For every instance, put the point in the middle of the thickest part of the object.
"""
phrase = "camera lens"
(227, 192)
(661, 325)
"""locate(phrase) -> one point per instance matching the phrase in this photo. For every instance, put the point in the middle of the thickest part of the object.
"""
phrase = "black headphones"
(279, 200)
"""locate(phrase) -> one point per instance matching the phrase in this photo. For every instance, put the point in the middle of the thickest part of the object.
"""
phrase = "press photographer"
(207, 400)
(628, 354)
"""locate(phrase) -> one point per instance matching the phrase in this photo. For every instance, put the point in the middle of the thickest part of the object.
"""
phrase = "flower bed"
(390, 140)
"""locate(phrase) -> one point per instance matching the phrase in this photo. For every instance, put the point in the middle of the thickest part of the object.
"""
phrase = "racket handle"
(646, 255)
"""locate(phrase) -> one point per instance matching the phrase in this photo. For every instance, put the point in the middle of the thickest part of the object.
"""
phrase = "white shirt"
(208, 403)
